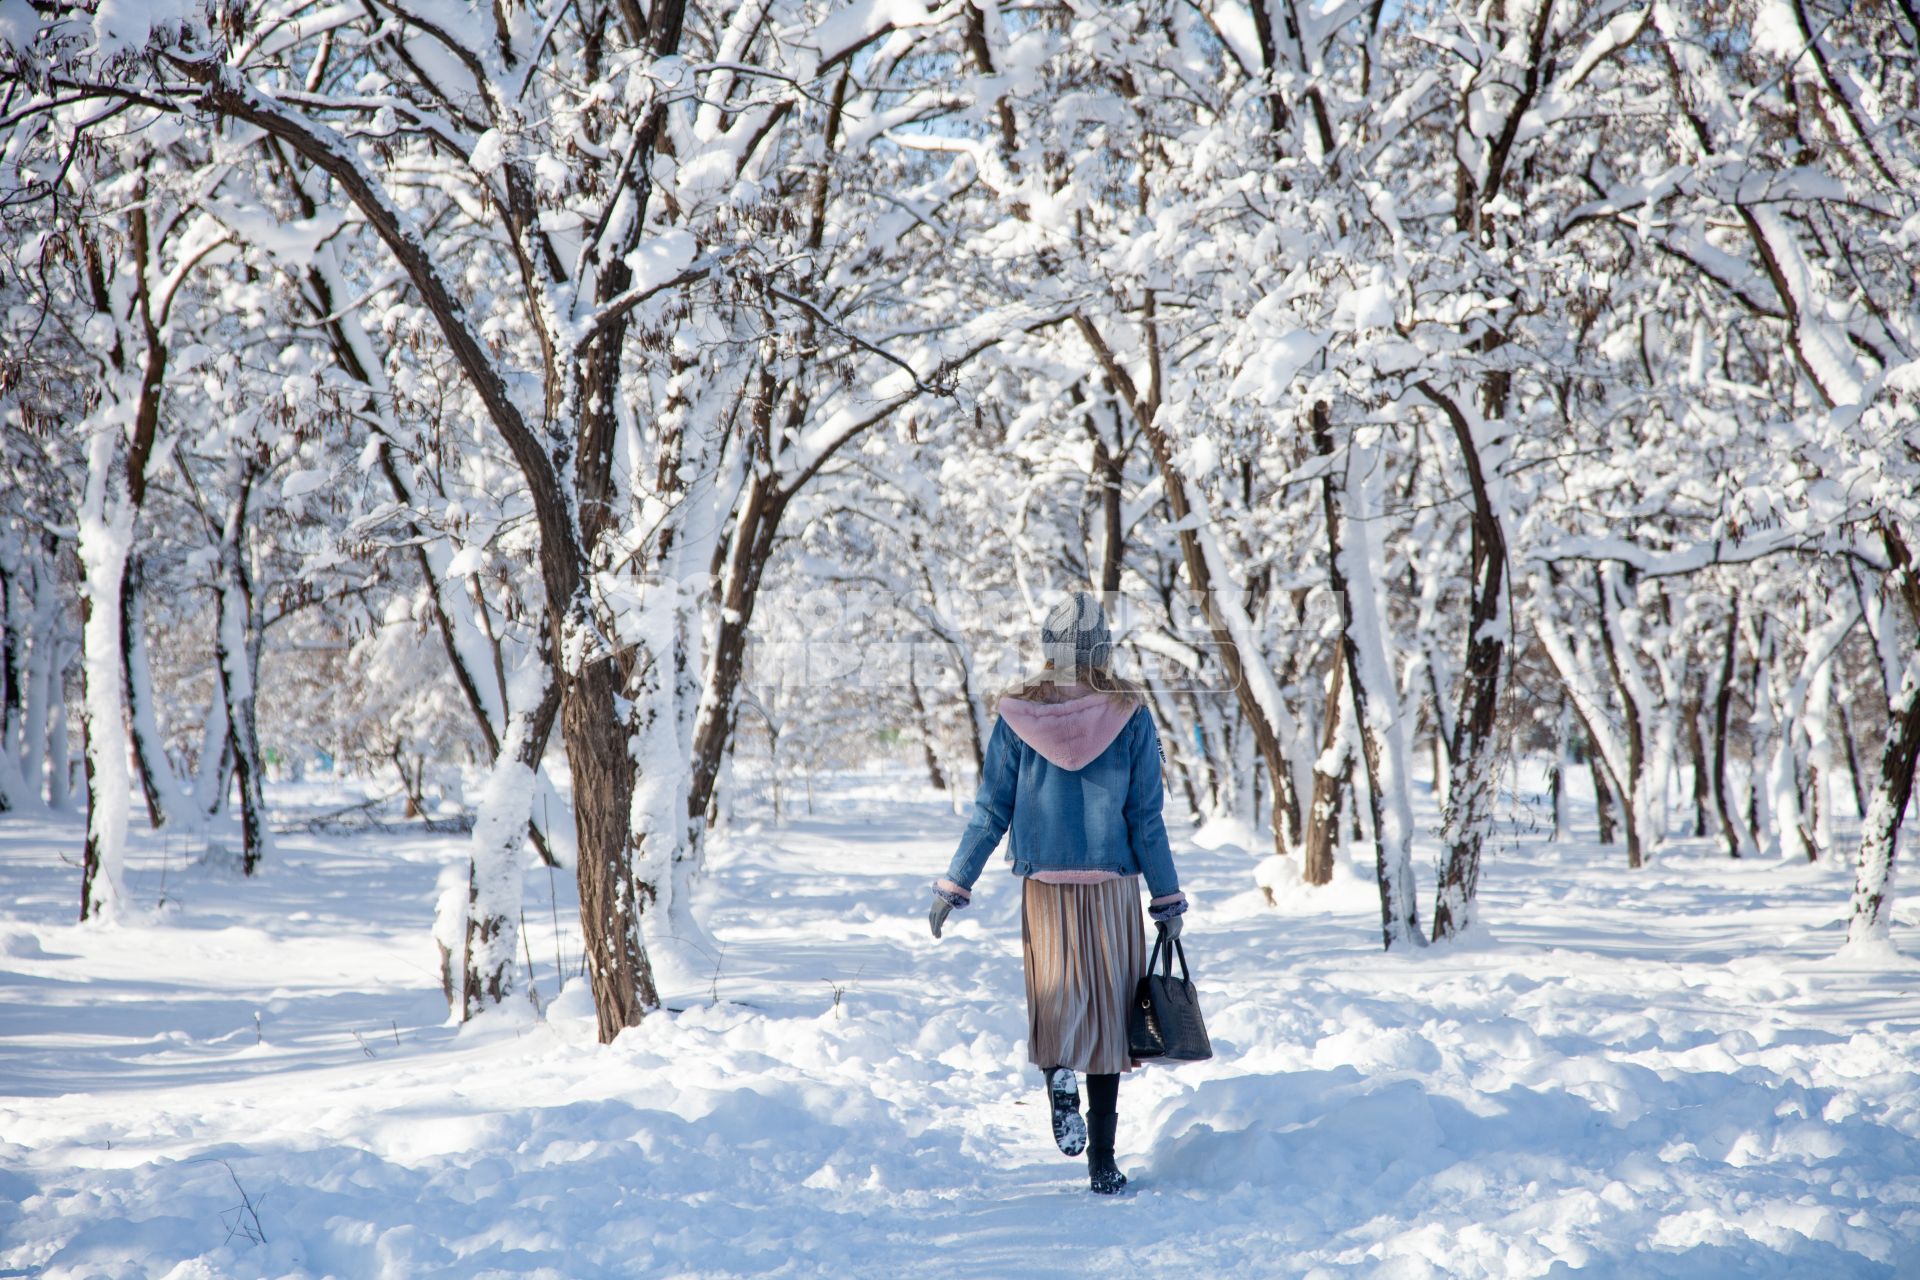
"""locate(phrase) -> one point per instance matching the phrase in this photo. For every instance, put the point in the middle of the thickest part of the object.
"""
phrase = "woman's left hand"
(938, 913)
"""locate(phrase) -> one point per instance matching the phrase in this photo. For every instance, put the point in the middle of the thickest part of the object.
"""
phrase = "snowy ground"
(1659, 1074)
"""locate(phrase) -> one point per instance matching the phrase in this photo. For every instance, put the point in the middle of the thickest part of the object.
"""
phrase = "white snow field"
(1656, 1074)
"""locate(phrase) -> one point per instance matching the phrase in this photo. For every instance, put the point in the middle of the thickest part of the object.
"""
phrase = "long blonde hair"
(1047, 684)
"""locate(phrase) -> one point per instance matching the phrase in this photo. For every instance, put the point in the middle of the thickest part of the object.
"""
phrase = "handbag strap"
(1181, 949)
(1162, 957)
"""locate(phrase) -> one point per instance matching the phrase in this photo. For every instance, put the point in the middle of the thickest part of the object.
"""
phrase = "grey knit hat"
(1075, 634)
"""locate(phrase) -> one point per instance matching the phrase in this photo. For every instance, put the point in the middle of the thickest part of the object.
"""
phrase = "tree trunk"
(13, 783)
(1181, 754)
(1730, 830)
(15, 791)
(596, 738)
(1557, 781)
(232, 650)
(1803, 754)
(664, 695)
(1557, 796)
(59, 758)
(106, 531)
(1602, 797)
(1467, 822)
(1329, 770)
(1872, 914)
(10, 664)
(979, 725)
(43, 676)
(749, 549)
(1350, 791)
(1214, 749)
(935, 778)
(1759, 820)
(1872, 887)
(42, 679)
(1818, 722)
(1854, 780)
(1109, 470)
(1697, 756)
(1586, 688)
(115, 488)
(410, 779)
(503, 818)
(1382, 748)
(149, 750)
(215, 766)
(1633, 786)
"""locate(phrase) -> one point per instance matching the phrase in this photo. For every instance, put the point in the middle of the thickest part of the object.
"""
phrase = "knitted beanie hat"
(1075, 634)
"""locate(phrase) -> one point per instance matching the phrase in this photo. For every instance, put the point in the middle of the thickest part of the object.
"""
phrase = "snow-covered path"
(1662, 1073)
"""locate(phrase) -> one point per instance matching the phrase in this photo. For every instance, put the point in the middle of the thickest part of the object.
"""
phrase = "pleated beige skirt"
(1085, 950)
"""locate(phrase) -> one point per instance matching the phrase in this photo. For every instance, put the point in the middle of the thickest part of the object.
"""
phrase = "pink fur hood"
(1069, 735)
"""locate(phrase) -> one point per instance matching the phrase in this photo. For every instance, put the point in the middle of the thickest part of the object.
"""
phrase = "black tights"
(1103, 1094)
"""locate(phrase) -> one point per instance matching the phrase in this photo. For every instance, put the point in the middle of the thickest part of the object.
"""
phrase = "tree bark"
(1180, 753)
(1468, 819)
(1109, 472)
(1329, 773)
(596, 737)
(1557, 795)
(1631, 787)
(1697, 756)
(1872, 913)
(503, 819)
(1602, 796)
(935, 777)
(1758, 818)
(215, 766)
(11, 678)
(42, 680)
(106, 526)
(749, 549)
(143, 724)
(1730, 830)
(232, 650)
(1385, 763)
(59, 759)
(1854, 781)
(115, 489)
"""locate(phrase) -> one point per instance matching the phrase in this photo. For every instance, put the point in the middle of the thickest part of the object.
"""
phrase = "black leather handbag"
(1165, 1021)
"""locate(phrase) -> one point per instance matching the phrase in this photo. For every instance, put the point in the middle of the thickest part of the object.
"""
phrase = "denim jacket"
(1104, 816)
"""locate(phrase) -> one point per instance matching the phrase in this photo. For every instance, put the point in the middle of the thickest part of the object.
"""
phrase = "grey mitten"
(945, 902)
(1166, 913)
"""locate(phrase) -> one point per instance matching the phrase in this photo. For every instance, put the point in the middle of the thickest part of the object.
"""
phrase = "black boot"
(1063, 1100)
(1103, 1175)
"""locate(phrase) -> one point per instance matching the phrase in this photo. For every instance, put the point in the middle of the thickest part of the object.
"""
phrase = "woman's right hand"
(938, 913)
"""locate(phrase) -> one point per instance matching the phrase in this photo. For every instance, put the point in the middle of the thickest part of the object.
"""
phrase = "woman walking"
(1073, 768)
